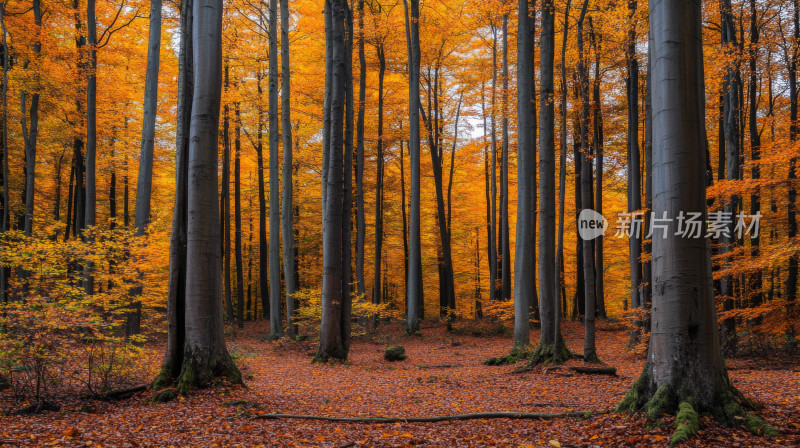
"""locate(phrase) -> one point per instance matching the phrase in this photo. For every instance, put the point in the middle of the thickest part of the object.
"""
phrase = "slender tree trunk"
(634, 179)
(548, 298)
(237, 219)
(755, 282)
(30, 135)
(226, 206)
(263, 244)
(791, 209)
(490, 230)
(526, 161)
(505, 275)
(6, 217)
(362, 98)
(562, 186)
(589, 349)
(598, 150)
(91, 134)
(497, 292)
(414, 288)
(376, 284)
(731, 124)
(287, 222)
(275, 321)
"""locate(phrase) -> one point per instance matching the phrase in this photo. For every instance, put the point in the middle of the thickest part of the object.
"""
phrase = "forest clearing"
(443, 375)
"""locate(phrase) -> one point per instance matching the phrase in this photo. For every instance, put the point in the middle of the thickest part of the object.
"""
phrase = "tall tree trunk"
(6, 216)
(505, 275)
(548, 298)
(376, 284)
(237, 219)
(225, 220)
(362, 98)
(263, 244)
(684, 365)
(755, 149)
(791, 209)
(414, 289)
(490, 230)
(287, 209)
(205, 355)
(145, 179)
(30, 135)
(598, 151)
(333, 341)
(731, 86)
(497, 292)
(91, 134)
(634, 179)
(526, 161)
(589, 349)
(275, 321)
(562, 190)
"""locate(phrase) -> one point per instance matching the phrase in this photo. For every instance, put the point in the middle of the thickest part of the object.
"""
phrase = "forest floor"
(443, 375)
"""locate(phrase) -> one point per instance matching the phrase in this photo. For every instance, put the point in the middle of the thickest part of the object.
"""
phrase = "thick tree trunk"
(204, 353)
(287, 221)
(684, 364)
(275, 321)
(334, 295)
(548, 297)
(526, 167)
(414, 289)
(176, 292)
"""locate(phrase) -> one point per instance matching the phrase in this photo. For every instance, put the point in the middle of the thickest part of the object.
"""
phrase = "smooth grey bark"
(589, 349)
(526, 167)
(414, 288)
(326, 120)
(91, 133)
(376, 284)
(755, 281)
(684, 363)
(731, 115)
(237, 219)
(634, 168)
(287, 220)
(597, 143)
(275, 321)
(145, 179)
(6, 218)
(360, 217)
(548, 298)
(497, 293)
(205, 355)
(347, 198)
(263, 244)
(225, 218)
(334, 341)
(562, 187)
(505, 245)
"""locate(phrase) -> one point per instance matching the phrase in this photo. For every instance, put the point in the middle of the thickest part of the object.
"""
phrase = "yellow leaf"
(555, 443)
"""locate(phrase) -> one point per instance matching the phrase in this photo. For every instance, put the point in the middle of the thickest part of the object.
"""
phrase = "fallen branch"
(595, 370)
(120, 393)
(436, 418)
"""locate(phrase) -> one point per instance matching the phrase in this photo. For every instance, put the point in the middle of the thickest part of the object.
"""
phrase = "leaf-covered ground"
(443, 375)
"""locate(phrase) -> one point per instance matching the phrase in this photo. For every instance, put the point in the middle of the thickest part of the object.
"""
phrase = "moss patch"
(164, 395)
(687, 423)
(517, 354)
(394, 353)
(757, 425)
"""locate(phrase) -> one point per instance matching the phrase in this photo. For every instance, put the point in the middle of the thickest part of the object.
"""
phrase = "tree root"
(434, 419)
(120, 393)
(517, 354)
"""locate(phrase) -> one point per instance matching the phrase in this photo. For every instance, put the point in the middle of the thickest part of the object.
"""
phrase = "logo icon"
(591, 224)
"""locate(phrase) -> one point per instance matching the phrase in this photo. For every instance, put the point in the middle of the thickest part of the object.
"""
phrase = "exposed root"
(517, 354)
(687, 423)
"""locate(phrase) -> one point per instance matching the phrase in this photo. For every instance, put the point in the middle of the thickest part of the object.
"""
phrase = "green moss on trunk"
(197, 371)
(687, 423)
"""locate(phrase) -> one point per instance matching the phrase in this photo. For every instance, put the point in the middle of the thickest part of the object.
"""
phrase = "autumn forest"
(340, 223)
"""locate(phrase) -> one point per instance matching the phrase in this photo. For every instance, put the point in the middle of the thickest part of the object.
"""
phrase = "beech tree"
(684, 371)
(196, 349)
